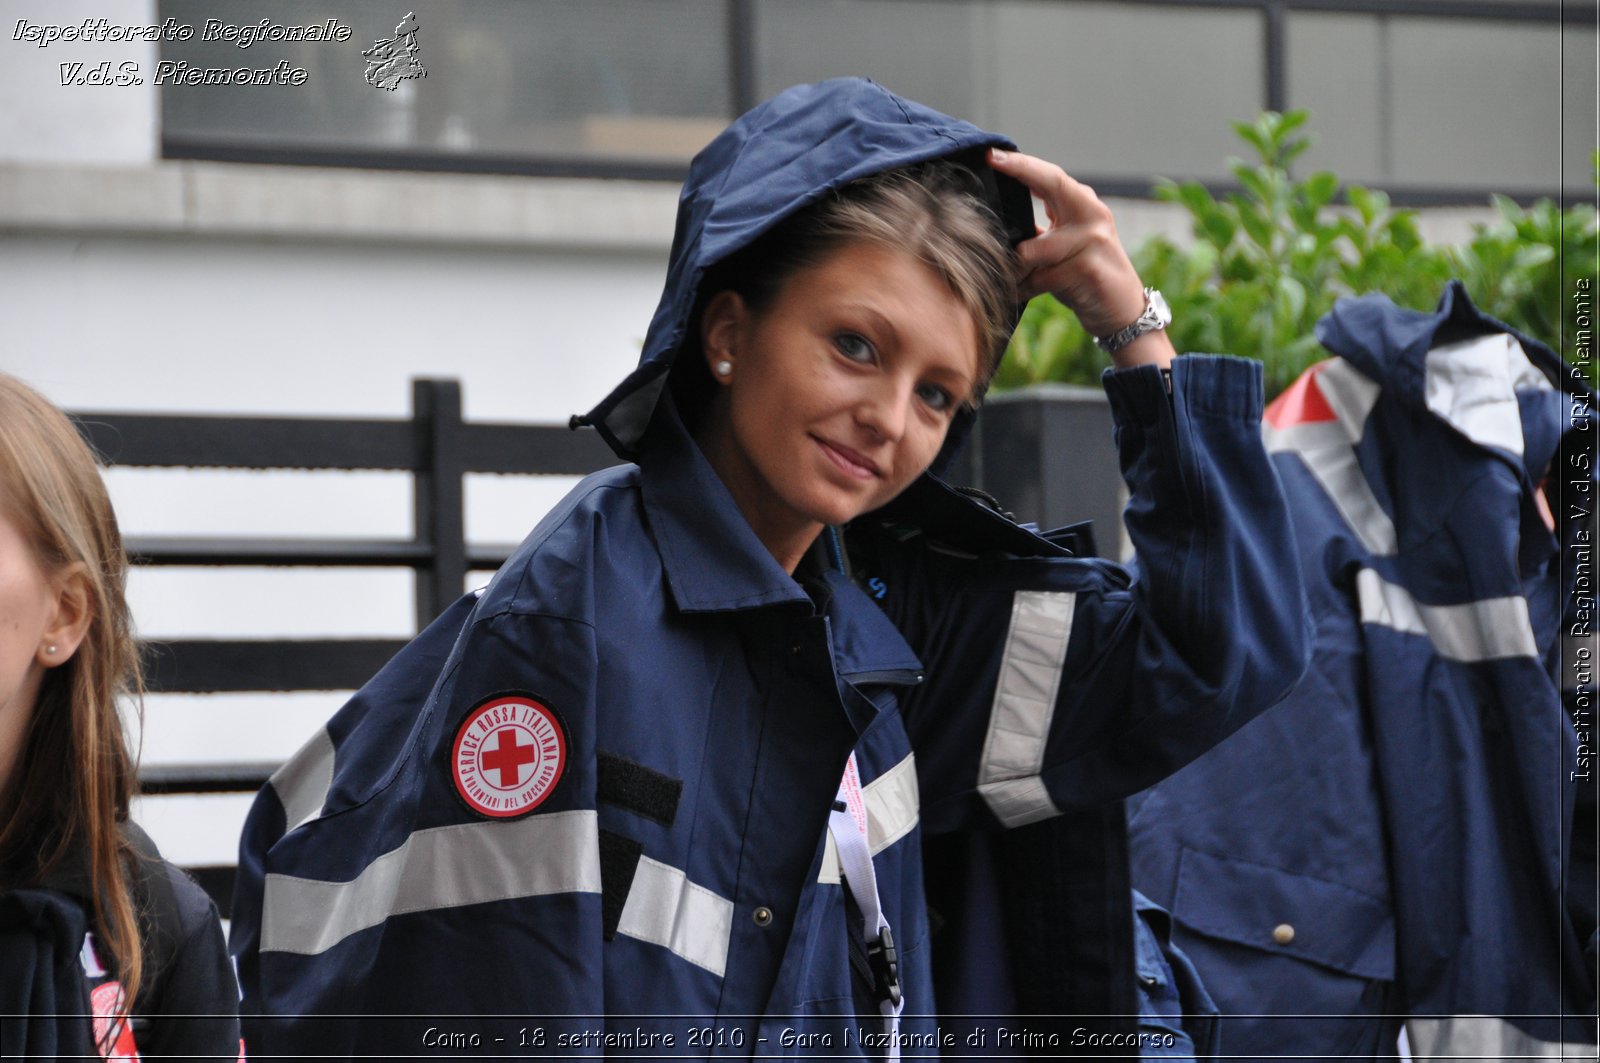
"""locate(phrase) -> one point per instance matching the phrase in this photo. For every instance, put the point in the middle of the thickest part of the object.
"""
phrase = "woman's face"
(840, 394)
(27, 612)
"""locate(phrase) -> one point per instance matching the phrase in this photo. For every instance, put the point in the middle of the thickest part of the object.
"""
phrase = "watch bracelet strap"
(1145, 322)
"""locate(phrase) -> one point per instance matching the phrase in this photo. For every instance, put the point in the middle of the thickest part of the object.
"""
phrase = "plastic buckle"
(885, 966)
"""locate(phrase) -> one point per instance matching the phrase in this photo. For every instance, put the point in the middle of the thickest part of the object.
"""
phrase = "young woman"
(90, 917)
(663, 785)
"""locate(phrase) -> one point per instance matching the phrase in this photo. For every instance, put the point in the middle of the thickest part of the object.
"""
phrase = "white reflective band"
(892, 813)
(1024, 704)
(1473, 1038)
(1339, 472)
(1350, 393)
(666, 909)
(1473, 385)
(848, 828)
(1485, 630)
(892, 805)
(303, 782)
(445, 867)
(1328, 450)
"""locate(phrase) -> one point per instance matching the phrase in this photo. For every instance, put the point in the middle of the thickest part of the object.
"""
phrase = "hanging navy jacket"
(1397, 838)
(588, 809)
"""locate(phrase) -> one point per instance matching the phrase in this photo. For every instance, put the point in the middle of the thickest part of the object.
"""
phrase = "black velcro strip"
(619, 859)
(637, 788)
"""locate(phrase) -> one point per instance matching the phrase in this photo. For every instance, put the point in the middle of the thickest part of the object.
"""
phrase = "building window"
(1440, 99)
(510, 85)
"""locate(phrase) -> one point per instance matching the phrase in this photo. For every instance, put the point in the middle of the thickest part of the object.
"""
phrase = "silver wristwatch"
(1157, 315)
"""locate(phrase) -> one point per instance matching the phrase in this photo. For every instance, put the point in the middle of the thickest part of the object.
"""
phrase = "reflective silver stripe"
(1472, 1038)
(666, 909)
(445, 867)
(1472, 385)
(892, 811)
(831, 873)
(1024, 703)
(1351, 393)
(892, 805)
(1328, 450)
(1339, 473)
(1484, 630)
(303, 782)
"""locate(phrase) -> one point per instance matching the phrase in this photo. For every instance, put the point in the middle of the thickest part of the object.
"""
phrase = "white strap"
(89, 957)
(849, 829)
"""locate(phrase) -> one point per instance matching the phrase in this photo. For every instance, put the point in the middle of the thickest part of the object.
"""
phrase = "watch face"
(1159, 307)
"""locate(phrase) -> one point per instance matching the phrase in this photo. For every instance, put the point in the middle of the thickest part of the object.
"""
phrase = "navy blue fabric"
(1408, 815)
(189, 1009)
(44, 1001)
(645, 612)
(1177, 1018)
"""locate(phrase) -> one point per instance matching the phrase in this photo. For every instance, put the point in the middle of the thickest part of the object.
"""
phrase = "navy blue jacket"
(1405, 842)
(691, 707)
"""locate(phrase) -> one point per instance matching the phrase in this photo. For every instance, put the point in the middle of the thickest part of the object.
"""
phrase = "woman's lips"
(851, 462)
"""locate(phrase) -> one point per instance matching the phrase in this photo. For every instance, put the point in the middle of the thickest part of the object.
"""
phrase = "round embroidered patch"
(508, 756)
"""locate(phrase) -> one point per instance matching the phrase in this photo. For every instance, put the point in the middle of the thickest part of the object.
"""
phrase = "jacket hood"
(780, 156)
(1438, 364)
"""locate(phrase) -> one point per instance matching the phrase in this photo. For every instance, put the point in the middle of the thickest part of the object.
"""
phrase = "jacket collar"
(715, 563)
(712, 557)
(865, 640)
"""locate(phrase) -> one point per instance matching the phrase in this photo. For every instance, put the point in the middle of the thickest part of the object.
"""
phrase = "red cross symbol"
(508, 757)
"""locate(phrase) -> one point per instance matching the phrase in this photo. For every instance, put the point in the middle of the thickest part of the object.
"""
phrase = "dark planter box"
(1046, 454)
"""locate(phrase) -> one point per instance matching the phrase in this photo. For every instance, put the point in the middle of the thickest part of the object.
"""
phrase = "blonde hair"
(72, 783)
(934, 211)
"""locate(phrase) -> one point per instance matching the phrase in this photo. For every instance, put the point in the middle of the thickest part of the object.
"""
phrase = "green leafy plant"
(1269, 260)
(1514, 268)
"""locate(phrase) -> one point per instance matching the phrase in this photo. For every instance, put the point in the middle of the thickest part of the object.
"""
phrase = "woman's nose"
(886, 409)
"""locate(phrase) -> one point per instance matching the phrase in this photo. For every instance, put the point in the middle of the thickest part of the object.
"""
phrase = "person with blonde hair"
(91, 918)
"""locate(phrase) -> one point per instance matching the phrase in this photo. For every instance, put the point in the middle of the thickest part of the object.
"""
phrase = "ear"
(74, 611)
(721, 327)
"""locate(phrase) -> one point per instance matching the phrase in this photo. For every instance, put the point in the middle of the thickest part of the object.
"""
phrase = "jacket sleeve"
(349, 887)
(197, 1013)
(1061, 682)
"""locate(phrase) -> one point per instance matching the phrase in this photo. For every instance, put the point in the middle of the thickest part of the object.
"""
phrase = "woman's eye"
(935, 397)
(853, 347)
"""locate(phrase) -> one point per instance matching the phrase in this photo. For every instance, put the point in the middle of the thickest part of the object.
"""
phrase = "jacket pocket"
(1285, 913)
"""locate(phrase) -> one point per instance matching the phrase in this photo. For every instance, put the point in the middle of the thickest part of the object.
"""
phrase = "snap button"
(762, 916)
(1283, 933)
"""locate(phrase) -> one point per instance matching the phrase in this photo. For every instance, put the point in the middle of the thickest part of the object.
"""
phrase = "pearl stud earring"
(724, 367)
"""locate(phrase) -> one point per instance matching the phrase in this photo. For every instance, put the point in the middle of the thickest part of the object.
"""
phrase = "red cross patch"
(508, 756)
